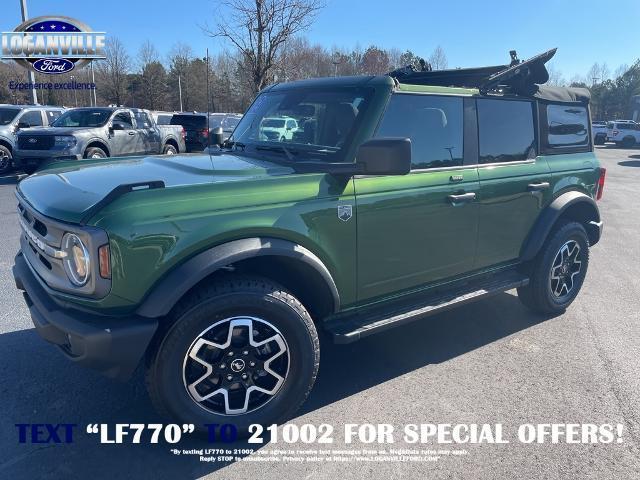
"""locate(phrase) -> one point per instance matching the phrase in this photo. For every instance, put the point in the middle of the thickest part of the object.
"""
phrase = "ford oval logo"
(53, 65)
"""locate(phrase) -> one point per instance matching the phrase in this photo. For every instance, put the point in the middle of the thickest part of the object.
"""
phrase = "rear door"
(147, 136)
(420, 228)
(514, 180)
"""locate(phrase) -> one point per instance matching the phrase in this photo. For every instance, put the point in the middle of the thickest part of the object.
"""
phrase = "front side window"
(7, 115)
(567, 126)
(326, 119)
(90, 117)
(32, 118)
(434, 125)
(505, 131)
(124, 120)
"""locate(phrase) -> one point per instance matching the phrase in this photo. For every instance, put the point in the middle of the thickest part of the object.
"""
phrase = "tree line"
(148, 80)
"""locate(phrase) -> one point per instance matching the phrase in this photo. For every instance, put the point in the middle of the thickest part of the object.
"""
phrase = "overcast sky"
(472, 33)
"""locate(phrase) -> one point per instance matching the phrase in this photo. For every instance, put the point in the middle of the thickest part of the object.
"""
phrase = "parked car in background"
(278, 128)
(625, 133)
(20, 117)
(227, 121)
(599, 132)
(198, 133)
(162, 118)
(96, 132)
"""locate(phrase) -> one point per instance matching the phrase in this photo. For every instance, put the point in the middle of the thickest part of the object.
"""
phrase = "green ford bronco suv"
(394, 197)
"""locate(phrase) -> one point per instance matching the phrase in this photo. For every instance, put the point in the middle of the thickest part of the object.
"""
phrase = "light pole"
(32, 78)
(75, 92)
(336, 61)
(180, 91)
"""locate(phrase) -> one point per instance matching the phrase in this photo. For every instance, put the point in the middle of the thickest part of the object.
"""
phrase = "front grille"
(36, 142)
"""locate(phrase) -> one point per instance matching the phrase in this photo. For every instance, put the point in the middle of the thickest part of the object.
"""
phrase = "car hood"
(69, 192)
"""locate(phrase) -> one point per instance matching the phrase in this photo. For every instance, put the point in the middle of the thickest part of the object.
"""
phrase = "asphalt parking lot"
(490, 362)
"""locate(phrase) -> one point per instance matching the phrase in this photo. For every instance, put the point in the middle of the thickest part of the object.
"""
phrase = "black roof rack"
(518, 77)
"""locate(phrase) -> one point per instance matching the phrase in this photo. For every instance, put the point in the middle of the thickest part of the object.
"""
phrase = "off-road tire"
(211, 303)
(169, 149)
(538, 295)
(91, 153)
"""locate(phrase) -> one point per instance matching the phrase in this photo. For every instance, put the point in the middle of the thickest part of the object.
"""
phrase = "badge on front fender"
(345, 212)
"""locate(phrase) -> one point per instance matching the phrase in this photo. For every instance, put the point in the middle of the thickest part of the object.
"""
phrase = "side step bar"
(348, 328)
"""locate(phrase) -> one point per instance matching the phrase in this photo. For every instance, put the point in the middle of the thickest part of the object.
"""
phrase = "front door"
(514, 180)
(420, 228)
(123, 140)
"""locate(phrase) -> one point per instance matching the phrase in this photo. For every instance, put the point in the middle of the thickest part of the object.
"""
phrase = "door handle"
(461, 198)
(132, 133)
(537, 187)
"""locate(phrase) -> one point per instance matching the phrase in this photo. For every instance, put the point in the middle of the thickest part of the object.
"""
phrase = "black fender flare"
(166, 293)
(550, 214)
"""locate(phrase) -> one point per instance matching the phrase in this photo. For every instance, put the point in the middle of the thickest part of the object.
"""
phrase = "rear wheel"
(628, 142)
(5, 159)
(558, 271)
(169, 149)
(599, 140)
(95, 152)
(241, 350)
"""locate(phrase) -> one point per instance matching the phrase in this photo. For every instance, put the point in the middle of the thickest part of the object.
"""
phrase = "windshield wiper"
(278, 148)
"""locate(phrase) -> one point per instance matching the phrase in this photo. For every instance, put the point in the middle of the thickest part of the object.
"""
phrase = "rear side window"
(142, 120)
(53, 115)
(434, 125)
(567, 126)
(505, 131)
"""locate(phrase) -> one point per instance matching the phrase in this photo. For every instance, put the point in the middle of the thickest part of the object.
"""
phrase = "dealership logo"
(53, 45)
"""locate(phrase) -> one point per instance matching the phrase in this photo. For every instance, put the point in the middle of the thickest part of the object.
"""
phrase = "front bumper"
(112, 345)
(22, 158)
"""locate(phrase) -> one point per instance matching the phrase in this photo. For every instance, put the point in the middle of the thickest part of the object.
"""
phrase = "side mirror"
(385, 156)
(117, 126)
(22, 125)
(217, 136)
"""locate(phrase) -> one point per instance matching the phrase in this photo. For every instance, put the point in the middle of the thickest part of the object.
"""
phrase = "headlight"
(65, 141)
(77, 262)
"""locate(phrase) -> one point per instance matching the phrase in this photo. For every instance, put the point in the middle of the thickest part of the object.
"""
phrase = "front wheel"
(95, 153)
(558, 271)
(5, 159)
(241, 350)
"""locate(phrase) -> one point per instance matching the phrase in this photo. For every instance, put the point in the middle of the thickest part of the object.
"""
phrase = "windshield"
(95, 117)
(311, 121)
(7, 115)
